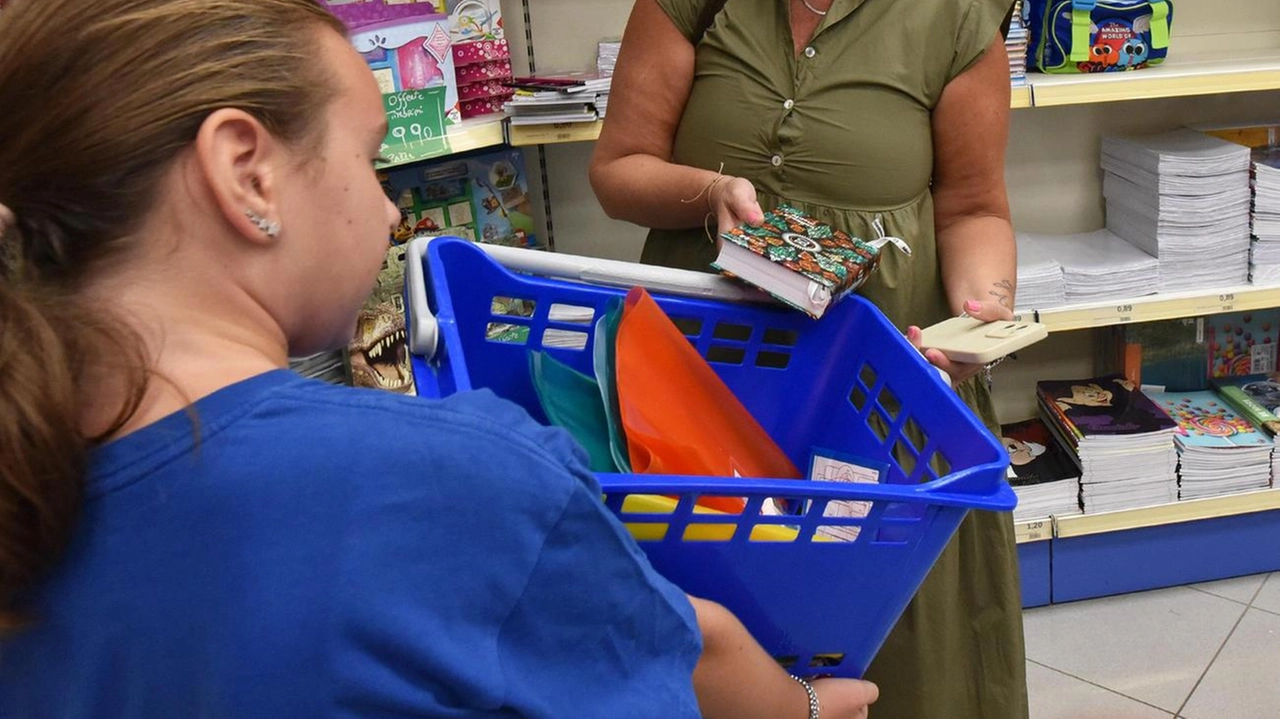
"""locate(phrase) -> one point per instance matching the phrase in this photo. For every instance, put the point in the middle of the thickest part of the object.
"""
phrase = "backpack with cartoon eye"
(1071, 36)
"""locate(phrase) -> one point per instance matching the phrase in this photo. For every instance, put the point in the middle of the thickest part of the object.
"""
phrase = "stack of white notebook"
(1015, 46)
(1183, 197)
(1040, 280)
(1095, 266)
(1265, 218)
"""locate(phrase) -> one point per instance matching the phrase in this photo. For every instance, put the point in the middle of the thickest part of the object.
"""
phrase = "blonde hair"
(100, 97)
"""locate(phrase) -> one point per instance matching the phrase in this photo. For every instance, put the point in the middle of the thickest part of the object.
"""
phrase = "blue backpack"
(1069, 36)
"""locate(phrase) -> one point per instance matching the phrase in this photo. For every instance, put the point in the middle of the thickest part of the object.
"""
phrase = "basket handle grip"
(424, 334)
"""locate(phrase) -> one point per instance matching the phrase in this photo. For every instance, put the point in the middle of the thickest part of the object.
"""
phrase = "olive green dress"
(843, 130)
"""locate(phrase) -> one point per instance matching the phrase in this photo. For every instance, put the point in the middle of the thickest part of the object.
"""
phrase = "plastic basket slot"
(506, 333)
(858, 398)
(915, 435)
(787, 661)
(701, 532)
(565, 339)
(889, 402)
(823, 661)
(689, 326)
(879, 426)
(732, 332)
(941, 465)
(868, 376)
(838, 532)
(719, 354)
(904, 457)
(768, 359)
(571, 314)
(502, 306)
(781, 338)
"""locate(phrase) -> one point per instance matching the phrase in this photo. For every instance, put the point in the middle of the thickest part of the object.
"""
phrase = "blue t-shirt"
(327, 552)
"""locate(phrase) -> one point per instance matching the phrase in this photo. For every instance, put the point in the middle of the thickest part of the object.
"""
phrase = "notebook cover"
(1103, 406)
(1035, 455)
(1205, 420)
(830, 257)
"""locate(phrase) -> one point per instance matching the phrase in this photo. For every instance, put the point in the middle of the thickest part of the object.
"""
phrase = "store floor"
(1205, 651)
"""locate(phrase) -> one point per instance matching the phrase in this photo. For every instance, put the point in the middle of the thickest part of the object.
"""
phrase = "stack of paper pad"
(1183, 197)
(1095, 265)
(1040, 280)
(1264, 221)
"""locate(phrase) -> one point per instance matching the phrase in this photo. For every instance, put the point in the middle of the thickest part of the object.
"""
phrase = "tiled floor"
(1207, 651)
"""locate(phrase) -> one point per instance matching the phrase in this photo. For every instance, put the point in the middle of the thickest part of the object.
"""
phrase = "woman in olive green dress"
(849, 109)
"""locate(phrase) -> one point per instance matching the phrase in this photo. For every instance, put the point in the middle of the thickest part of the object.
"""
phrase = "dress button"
(776, 160)
(810, 52)
(788, 104)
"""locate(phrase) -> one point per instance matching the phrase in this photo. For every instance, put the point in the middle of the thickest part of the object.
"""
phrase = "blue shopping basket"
(849, 383)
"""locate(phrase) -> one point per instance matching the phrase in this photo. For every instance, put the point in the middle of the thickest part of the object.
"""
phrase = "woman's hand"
(959, 371)
(845, 698)
(733, 202)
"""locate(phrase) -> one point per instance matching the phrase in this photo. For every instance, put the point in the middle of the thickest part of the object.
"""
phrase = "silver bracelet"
(815, 709)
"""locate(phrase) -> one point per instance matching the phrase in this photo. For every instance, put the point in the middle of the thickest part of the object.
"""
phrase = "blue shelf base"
(1034, 564)
(1136, 560)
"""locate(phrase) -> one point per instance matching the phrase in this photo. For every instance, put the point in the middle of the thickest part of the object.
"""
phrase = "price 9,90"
(414, 132)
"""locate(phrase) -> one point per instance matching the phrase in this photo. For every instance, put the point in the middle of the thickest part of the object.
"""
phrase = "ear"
(241, 163)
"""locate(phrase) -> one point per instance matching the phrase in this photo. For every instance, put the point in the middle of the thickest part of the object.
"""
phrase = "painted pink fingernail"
(973, 306)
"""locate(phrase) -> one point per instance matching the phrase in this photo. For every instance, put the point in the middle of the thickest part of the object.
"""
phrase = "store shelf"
(1021, 97)
(463, 137)
(1166, 514)
(1154, 307)
(523, 135)
(1180, 76)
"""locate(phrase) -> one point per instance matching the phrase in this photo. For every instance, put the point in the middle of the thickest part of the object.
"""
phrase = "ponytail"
(42, 453)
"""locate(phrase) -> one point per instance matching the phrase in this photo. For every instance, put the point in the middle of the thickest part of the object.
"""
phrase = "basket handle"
(423, 334)
(1000, 499)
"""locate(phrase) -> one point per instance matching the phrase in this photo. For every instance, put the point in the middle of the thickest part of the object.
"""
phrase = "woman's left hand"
(960, 371)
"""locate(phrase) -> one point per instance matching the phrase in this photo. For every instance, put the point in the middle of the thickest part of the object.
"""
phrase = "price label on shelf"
(1036, 531)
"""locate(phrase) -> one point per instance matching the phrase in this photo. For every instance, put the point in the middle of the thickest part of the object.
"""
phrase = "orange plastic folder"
(679, 417)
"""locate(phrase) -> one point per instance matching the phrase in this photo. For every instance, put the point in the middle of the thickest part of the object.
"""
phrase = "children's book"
(482, 197)
(803, 262)
(408, 45)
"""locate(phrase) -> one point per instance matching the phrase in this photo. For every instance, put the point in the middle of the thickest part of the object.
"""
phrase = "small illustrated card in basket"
(799, 260)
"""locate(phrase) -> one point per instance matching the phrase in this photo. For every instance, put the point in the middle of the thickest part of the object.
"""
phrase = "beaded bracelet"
(814, 708)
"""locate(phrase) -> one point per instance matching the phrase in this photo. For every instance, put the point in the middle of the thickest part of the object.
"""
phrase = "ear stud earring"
(269, 228)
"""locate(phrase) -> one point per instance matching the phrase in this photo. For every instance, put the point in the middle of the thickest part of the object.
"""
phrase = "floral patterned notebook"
(801, 261)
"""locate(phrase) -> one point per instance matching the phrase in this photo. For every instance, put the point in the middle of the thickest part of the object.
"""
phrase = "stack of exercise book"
(1123, 441)
(1043, 473)
(1219, 451)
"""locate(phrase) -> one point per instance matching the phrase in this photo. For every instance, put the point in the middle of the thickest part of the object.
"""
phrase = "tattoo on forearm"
(1003, 293)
